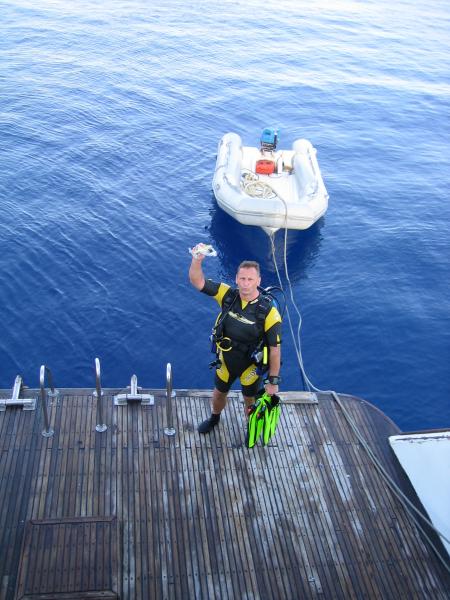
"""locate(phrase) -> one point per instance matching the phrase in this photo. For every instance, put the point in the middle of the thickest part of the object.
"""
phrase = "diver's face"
(247, 280)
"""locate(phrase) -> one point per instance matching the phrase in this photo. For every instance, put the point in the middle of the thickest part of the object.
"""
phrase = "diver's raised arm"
(196, 276)
(198, 253)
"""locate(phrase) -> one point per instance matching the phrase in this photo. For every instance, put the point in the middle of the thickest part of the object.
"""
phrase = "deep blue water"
(110, 115)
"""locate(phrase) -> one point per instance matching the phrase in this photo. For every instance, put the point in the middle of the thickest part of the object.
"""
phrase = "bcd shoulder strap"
(227, 303)
(263, 309)
(229, 299)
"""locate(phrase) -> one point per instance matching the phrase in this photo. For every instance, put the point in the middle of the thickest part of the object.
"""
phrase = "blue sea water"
(110, 115)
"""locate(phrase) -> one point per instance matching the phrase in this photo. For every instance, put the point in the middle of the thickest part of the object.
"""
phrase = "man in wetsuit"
(245, 330)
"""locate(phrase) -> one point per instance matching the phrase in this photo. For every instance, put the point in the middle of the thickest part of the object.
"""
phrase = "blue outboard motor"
(269, 139)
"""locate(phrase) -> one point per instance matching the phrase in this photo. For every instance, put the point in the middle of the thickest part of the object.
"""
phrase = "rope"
(254, 187)
(412, 510)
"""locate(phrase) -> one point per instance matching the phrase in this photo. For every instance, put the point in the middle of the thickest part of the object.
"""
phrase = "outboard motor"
(269, 139)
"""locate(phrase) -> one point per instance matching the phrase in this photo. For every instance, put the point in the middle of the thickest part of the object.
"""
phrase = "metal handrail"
(101, 426)
(48, 431)
(170, 429)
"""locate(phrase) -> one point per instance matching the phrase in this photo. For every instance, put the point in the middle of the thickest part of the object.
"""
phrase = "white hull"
(293, 197)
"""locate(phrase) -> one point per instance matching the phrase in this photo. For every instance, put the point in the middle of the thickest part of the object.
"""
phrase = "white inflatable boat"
(270, 188)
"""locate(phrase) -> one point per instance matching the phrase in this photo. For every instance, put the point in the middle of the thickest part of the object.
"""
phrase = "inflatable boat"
(269, 188)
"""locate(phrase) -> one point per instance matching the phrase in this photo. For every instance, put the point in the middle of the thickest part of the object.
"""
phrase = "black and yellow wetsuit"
(245, 330)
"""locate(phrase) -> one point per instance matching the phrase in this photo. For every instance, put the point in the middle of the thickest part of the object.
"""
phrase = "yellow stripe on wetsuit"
(248, 377)
(223, 289)
(272, 318)
(223, 372)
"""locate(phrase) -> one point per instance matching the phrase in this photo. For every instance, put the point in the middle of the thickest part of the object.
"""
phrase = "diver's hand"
(200, 251)
(271, 389)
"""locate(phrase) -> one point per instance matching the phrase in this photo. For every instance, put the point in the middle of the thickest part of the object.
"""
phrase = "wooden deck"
(134, 514)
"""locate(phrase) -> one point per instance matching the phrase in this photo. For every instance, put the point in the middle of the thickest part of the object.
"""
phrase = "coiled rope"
(256, 188)
(415, 514)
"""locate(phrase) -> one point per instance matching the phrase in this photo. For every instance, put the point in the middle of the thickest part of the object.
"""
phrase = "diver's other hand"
(271, 389)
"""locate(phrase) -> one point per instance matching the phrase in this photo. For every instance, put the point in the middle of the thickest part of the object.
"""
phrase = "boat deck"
(135, 514)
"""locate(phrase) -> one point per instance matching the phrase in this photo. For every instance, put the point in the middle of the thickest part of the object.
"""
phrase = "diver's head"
(248, 278)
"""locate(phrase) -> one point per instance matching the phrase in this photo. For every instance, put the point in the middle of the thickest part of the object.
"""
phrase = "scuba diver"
(246, 336)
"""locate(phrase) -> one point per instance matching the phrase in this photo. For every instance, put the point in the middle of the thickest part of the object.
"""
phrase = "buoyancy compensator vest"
(259, 351)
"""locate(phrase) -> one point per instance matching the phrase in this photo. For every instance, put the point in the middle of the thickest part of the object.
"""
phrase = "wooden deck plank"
(382, 539)
(386, 538)
(192, 533)
(185, 520)
(203, 516)
(234, 495)
(301, 456)
(14, 500)
(362, 520)
(337, 493)
(214, 501)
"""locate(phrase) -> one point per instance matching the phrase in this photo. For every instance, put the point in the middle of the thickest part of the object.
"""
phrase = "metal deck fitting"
(16, 400)
(134, 395)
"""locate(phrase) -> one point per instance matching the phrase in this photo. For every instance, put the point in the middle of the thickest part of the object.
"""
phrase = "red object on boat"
(265, 167)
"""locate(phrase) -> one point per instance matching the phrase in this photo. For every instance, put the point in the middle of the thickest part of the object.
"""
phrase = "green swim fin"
(255, 423)
(271, 418)
(263, 418)
(260, 420)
